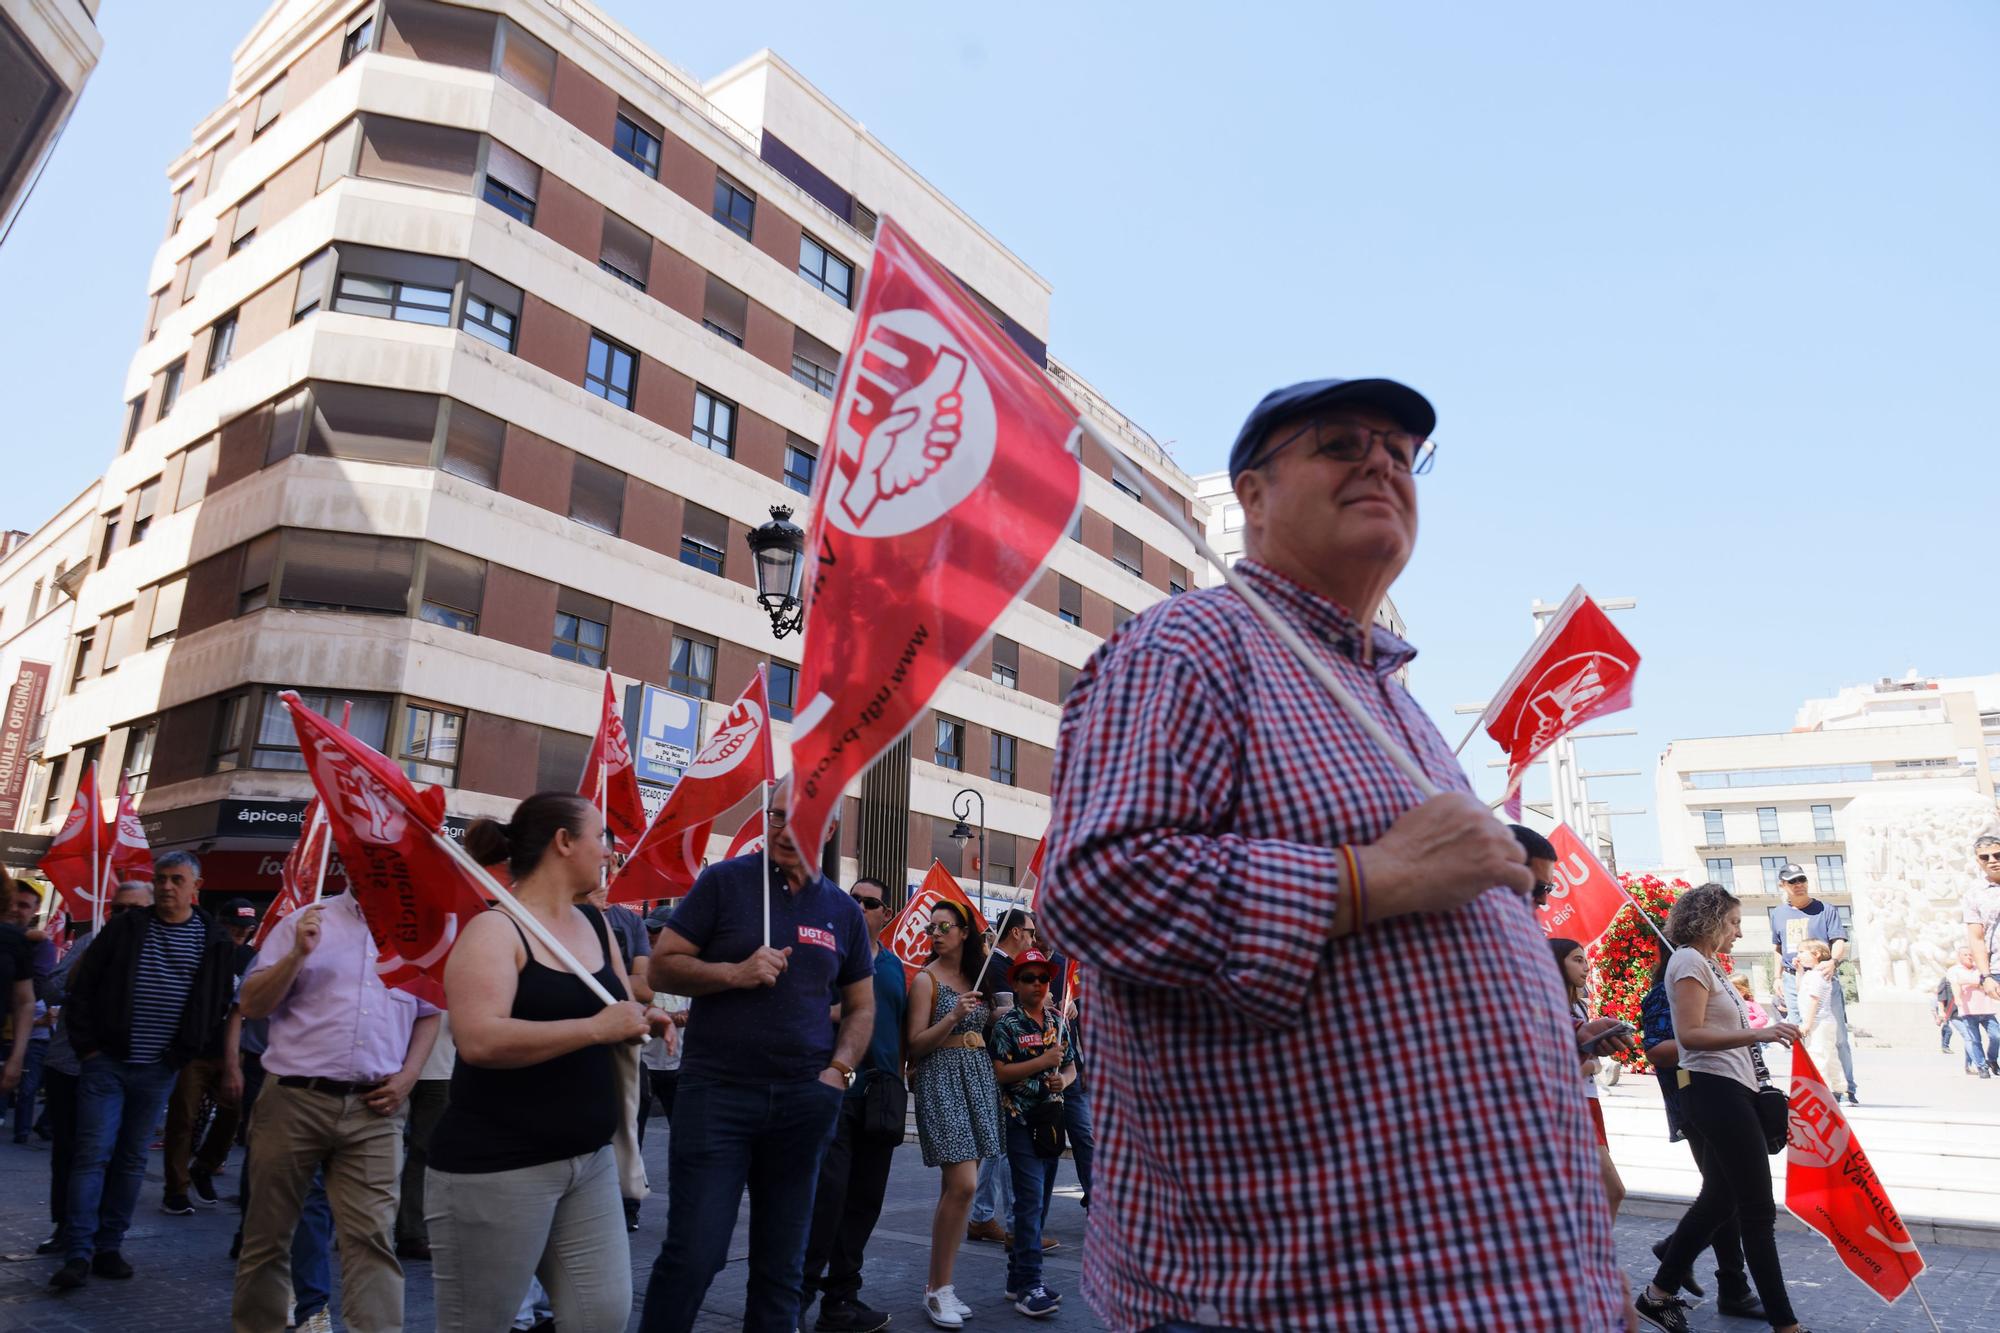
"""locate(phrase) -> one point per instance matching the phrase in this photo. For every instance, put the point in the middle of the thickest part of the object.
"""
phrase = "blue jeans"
(312, 1254)
(25, 1090)
(1790, 984)
(1034, 1185)
(116, 1106)
(1973, 1027)
(994, 1196)
(770, 1137)
(1082, 1139)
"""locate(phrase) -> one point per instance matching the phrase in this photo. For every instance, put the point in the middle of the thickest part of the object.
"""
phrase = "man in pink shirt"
(344, 1052)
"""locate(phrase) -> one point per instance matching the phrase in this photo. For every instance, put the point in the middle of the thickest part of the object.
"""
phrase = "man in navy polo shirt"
(763, 1072)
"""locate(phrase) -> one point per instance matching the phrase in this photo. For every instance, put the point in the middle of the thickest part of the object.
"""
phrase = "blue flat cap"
(1400, 403)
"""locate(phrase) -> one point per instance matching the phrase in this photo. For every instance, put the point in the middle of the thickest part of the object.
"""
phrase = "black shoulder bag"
(885, 1107)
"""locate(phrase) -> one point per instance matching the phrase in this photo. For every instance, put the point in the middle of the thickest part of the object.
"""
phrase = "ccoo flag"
(1830, 1187)
(947, 478)
(75, 861)
(131, 856)
(1578, 667)
(905, 936)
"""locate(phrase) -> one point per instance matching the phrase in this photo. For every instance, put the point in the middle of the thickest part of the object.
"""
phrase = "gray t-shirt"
(1725, 1010)
(1981, 907)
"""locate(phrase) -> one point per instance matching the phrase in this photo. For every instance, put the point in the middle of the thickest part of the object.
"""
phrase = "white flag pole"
(1318, 669)
(1460, 747)
(98, 869)
(604, 810)
(508, 903)
(764, 787)
(320, 820)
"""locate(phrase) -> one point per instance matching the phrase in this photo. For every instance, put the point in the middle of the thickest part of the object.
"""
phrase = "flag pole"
(508, 903)
(97, 866)
(764, 788)
(326, 851)
(1288, 636)
(1460, 747)
(1927, 1306)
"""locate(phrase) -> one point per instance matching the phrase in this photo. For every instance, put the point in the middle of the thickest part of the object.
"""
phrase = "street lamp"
(961, 835)
(778, 547)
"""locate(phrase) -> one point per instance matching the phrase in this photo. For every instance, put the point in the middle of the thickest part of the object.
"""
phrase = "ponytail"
(523, 840)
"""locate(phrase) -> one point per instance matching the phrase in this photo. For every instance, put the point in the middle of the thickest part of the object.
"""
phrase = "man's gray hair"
(1985, 840)
(174, 860)
(135, 886)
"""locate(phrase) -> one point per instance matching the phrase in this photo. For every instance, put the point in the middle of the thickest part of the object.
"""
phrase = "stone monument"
(1909, 862)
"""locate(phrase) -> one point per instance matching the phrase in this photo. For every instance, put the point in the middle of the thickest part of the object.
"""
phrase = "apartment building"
(48, 49)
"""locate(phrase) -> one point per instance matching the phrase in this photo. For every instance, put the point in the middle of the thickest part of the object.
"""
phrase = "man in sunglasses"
(1981, 911)
(1799, 918)
(1247, 878)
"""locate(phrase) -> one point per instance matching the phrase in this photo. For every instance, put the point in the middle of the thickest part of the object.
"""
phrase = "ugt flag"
(131, 855)
(1578, 667)
(734, 763)
(1830, 1187)
(414, 894)
(1586, 896)
(947, 478)
(609, 781)
(748, 839)
(300, 874)
(75, 860)
(905, 936)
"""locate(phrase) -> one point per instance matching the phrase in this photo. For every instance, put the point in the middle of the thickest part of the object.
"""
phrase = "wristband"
(1357, 889)
(846, 1070)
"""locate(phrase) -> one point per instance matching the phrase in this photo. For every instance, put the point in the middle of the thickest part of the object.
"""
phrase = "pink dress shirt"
(338, 1021)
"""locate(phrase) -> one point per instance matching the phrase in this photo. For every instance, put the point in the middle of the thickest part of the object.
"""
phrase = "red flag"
(609, 781)
(1830, 1186)
(75, 862)
(948, 481)
(300, 874)
(1586, 896)
(905, 936)
(131, 857)
(57, 929)
(736, 759)
(1035, 875)
(749, 838)
(1578, 668)
(414, 895)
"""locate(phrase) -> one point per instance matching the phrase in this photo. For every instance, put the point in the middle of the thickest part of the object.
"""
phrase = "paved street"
(184, 1271)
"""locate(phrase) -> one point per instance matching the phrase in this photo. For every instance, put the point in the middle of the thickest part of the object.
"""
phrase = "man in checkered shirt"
(1336, 1078)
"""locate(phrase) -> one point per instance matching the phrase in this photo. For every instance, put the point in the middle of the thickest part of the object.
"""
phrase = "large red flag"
(75, 861)
(300, 874)
(1578, 668)
(730, 767)
(948, 481)
(609, 781)
(1586, 896)
(905, 936)
(1830, 1186)
(131, 856)
(414, 894)
(748, 839)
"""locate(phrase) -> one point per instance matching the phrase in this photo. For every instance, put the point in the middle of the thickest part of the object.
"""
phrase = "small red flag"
(414, 894)
(749, 838)
(1830, 1186)
(905, 936)
(1035, 875)
(948, 480)
(1586, 896)
(300, 873)
(736, 759)
(609, 781)
(131, 857)
(77, 857)
(1578, 668)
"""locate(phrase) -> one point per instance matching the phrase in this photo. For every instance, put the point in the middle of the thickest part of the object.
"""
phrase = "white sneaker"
(951, 1294)
(941, 1308)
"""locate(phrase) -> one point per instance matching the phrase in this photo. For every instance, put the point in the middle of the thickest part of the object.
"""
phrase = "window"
(583, 628)
(826, 270)
(1128, 552)
(415, 289)
(1069, 600)
(1832, 874)
(359, 38)
(170, 386)
(610, 371)
(512, 182)
(226, 749)
(277, 743)
(1722, 870)
(1822, 823)
(492, 310)
(1711, 823)
(244, 229)
(123, 636)
(725, 311)
(138, 766)
(270, 105)
(260, 562)
(1006, 663)
(156, 310)
(145, 504)
(943, 848)
(691, 670)
(314, 275)
(415, 152)
(440, 34)
(735, 207)
(1767, 823)
(454, 587)
(814, 364)
(167, 599)
(596, 494)
(52, 771)
(473, 443)
(948, 751)
(183, 200)
(1119, 615)
(624, 251)
(714, 423)
(1771, 865)
(35, 600)
(561, 759)
(1176, 583)
(801, 462)
(1779, 777)
(1001, 851)
(784, 683)
(526, 63)
(427, 744)
(135, 411)
(110, 542)
(221, 343)
(704, 538)
(79, 665)
(1232, 517)
(346, 571)
(370, 425)
(1001, 767)
(637, 144)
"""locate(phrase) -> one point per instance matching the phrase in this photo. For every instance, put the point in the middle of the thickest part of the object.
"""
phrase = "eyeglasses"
(940, 928)
(1988, 856)
(1542, 890)
(775, 818)
(1348, 441)
(1031, 979)
(872, 904)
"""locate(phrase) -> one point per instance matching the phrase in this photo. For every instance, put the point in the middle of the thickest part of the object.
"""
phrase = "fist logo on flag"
(370, 814)
(1818, 1134)
(733, 742)
(916, 431)
(1578, 682)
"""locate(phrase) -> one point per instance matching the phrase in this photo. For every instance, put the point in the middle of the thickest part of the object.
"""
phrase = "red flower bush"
(1622, 961)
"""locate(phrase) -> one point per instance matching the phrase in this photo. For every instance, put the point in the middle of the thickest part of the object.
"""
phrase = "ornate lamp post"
(778, 547)
(961, 835)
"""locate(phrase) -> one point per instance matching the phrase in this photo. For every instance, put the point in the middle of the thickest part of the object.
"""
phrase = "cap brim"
(1399, 402)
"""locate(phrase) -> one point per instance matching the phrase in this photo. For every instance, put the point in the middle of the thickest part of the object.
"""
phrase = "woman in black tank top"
(521, 1181)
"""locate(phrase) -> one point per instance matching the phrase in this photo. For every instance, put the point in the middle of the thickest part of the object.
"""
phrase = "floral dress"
(958, 1103)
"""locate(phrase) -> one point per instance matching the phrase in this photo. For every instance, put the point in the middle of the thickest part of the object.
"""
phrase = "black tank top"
(506, 1119)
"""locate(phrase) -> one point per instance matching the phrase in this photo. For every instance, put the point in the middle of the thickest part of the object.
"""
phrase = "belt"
(332, 1086)
(963, 1041)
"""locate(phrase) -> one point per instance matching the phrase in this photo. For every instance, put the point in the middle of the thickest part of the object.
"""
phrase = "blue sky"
(1708, 300)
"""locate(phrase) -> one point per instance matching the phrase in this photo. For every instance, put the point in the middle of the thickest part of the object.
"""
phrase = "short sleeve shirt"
(1971, 999)
(1981, 907)
(629, 931)
(1017, 1037)
(1813, 986)
(1724, 1010)
(1793, 926)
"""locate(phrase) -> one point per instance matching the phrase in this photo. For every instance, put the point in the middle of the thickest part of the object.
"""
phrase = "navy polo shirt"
(772, 1034)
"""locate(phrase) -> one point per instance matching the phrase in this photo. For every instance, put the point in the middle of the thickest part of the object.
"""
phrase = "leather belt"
(331, 1086)
(963, 1041)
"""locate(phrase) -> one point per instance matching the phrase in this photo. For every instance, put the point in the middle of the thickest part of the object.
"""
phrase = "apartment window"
(1001, 853)
(610, 371)
(560, 759)
(166, 622)
(1119, 615)
(110, 542)
(276, 744)
(637, 144)
(784, 684)
(1767, 823)
(427, 744)
(473, 444)
(624, 251)
(123, 636)
(156, 310)
(138, 766)
(1832, 874)
(735, 207)
(596, 494)
(244, 229)
(801, 462)
(221, 343)
(358, 39)
(1770, 866)
(1822, 823)
(691, 669)
(183, 200)
(1065, 680)
(260, 564)
(144, 505)
(948, 750)
(1128, 553)
(704, 538)
(170, 387)
(1232, 517)
(583, 628)
(135, 411)
(346, 571)
(826, 270)
(440, 34)
(492, 311)
(1176, 583)
(226, 749)
(725, 312)
(526, 63)
(80, 663)
(52, 772)
(454, 587)
(1069, 600)
(270, 105)
(1006, 663)
(814, 364)
(714, 423)
(369, 425)
(1722, 870)
(313, 276)
(943, 848)
(35, 600)
(512, 182)
(414, 289)
(1711, 825)
(1001, 767)
(415, 152)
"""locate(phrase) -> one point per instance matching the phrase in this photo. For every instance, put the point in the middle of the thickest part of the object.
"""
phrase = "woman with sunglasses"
(958, 1107)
